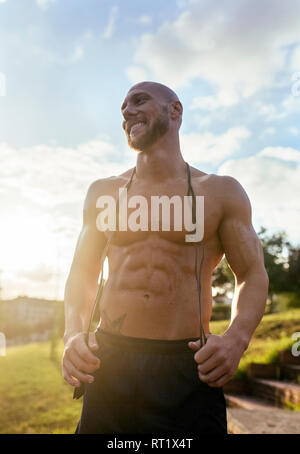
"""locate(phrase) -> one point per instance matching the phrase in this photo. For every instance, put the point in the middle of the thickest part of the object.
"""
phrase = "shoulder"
(227, 192)
(221, 182)
(104, 186)
(234, 199)
(231, 188)
(224, 185)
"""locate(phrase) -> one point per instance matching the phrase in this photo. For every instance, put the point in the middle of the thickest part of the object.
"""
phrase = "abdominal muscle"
(151, 291)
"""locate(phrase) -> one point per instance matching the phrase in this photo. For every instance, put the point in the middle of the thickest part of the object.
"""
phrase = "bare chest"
(166, 210)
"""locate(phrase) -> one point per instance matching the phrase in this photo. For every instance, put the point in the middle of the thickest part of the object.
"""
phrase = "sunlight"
(26, 241)
(105, 269)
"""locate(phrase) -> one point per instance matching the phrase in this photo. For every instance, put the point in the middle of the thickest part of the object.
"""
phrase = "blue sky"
(67, 65)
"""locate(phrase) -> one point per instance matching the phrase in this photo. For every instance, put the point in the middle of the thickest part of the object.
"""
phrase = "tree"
(223, 279)
(282, 263)
(275, 249)
(293, 269)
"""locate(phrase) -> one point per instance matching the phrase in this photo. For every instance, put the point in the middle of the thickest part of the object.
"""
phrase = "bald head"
(150, 110)
(162, 91)
(164, 95)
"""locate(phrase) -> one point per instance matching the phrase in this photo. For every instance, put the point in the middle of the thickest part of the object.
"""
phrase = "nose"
(129, 111)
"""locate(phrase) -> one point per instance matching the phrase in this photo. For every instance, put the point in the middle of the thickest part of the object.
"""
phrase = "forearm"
(248, 306)
(79, 298)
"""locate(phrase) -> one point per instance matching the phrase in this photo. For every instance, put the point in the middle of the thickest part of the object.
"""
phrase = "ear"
(176, 110)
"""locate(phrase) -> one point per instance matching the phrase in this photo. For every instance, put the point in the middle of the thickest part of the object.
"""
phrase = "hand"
(218, 359)
(78, 358)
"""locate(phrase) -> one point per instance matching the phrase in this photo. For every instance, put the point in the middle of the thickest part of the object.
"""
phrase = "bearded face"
(143, 134)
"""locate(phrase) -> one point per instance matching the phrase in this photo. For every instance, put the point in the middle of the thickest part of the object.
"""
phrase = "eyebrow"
(135, 95)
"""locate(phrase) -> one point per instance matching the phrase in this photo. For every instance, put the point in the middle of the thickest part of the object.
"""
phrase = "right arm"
(80, 292)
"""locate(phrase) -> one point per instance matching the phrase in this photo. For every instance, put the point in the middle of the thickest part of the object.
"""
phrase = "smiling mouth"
(136, 127)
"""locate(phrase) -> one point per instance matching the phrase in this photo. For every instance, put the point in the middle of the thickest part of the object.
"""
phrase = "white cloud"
(110, 27)
(2, 1)
(291, 105)
(282, 153)
(43, 4)
(40, 272)
(136, 74)
(224, 98)
(203, 121)
(42, 190)
(273, 186)
(209, 148)
(295, 59)
(238, 48)
(182, 3)
(205, 103)
(145, 19)
(269, 131)
(77, 54)
(87, 35)
(294, 131)
(46, 173)
(269, 111)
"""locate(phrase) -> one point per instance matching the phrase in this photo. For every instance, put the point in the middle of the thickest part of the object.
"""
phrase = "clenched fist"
(78, 360)
(218, 359)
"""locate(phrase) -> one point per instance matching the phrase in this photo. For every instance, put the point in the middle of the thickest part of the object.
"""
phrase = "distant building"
(29, 311)
(25, 319)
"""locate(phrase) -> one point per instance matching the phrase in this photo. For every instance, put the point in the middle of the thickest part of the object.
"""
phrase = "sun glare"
(25, 242)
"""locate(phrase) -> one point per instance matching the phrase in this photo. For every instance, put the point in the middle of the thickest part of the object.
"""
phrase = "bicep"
(240, 242)
(241, 246)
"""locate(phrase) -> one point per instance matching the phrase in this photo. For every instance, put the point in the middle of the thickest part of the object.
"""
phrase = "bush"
(294, 303)
(287, 300)
(221, 312)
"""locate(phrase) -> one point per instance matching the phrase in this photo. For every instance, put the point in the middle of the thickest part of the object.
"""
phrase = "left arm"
(220, 357)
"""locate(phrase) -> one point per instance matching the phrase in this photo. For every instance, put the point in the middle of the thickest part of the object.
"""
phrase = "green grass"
(34, 399)
(33, 395)
(272, 335)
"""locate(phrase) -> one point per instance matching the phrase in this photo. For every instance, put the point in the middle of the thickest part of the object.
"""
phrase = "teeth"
(135, 126)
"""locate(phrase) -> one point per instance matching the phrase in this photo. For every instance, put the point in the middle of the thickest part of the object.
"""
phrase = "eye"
(140, 100)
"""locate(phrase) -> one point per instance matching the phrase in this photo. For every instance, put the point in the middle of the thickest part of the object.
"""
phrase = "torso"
(151, 290)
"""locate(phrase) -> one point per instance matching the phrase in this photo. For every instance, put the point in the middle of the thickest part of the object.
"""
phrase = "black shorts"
(149, 386)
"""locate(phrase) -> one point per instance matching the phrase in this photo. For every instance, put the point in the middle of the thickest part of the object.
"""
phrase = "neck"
(161, 161)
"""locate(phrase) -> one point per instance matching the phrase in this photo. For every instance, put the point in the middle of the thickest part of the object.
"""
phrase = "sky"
(65, 68)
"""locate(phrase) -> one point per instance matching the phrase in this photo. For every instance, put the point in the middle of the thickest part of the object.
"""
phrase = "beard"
(159, 127)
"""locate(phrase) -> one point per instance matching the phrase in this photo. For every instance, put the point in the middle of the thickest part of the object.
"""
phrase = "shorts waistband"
(143, 345)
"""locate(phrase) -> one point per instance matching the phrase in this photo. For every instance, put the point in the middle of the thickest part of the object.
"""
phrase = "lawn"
(33, 395)
(35, 399)
(272, 334)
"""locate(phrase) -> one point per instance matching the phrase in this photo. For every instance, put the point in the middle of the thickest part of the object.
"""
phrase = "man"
(145, 372)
